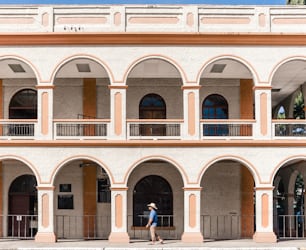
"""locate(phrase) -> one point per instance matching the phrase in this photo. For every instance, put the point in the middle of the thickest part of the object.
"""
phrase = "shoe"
(161, 241)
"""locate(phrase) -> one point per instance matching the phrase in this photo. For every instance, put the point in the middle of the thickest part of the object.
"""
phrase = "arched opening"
(152, 106)
(23, 105)
(23, 207)
(82, 201)
(152, 188)
(215, 107)
(228, 203)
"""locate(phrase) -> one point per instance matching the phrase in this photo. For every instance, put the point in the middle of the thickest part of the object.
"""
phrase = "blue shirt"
(153, 217)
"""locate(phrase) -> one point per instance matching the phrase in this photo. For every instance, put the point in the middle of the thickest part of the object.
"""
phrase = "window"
(104, 193)
(152, 188)
(65, 201)
(23, 105)
(215, 107)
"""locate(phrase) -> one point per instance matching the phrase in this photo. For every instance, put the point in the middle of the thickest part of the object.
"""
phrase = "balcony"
(288, 129)
(18, 129)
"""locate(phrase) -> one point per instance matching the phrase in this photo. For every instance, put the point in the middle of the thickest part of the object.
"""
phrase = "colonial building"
(107, 108)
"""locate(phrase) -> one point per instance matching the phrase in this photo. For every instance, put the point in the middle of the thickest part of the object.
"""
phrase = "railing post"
(264, 215)
(191, 112)
(192, 230)
(45, 214)
(44, 112)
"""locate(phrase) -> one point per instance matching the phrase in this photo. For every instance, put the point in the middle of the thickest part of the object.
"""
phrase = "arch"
(26, 61)
(156, 157)
(81, 56)
(283, 163)
(239, 159)
(229, 57)
(26, 101)
(80, 157)
(282, 62)
(24, 161)
(160, 57)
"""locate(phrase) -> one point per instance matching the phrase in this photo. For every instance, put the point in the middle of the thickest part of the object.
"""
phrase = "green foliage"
(296, 2)
(298, 111)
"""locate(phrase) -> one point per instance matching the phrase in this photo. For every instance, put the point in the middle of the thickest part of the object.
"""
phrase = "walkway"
(141, 245)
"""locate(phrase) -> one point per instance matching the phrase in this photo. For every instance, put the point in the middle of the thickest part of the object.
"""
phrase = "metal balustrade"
(21, 226)
(239, 129)
(229, 226)
(19, 129)
(81, 129)
(82, 227)
(284, 129)
(291, 226)
(154, 129)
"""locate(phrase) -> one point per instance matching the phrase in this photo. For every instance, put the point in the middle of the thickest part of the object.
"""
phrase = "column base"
(262, 237)
(118, 238)
(192, 237)
(45, 237)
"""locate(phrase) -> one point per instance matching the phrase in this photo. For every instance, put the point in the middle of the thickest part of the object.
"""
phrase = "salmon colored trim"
(190, 19)
(161, 57)
(191, 87)
(119, 237)
(152, 38)
(191, 113)
(262, 87)
(247, 64)
(80, 56)
(156, 157)
(45, 210)
(118, 210)
(44, 86)
(45, 188)
(265, 210)
(262, 20)
(79, 157)
(117, 18)
(225, 20)
(117, 87)
(45, 19)
(192, 210)
(43, 237)
(192, 237)
(263, 114)
(118, 113)
(153, 20)
(244, 162)
(153, 143)
(192, 188)
(119, 189)
(265, 237)
(45, 113)
(155, 120)
(264, 188)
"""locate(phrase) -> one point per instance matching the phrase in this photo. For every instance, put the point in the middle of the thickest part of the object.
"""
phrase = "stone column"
(43, 131)
(263, 113)
(264, 215)
(191, 112)
(119, 216)
(118, 112)
(45, 198)
(192, 207)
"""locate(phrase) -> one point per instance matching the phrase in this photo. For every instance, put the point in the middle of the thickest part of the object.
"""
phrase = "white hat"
(152, 205)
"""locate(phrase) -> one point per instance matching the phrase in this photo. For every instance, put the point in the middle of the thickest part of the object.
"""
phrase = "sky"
(226, 2)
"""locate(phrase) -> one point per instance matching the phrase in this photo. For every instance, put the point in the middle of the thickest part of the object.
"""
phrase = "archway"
(228, 204)
(22, 207)
(82, 199)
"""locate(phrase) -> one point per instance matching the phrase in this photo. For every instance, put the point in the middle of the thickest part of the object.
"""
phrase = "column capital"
(264, 188)
(44, 188)
(119, 188)
(118, 86)
(264, 87)
(44, 86)
(192, 188)
(190, 87)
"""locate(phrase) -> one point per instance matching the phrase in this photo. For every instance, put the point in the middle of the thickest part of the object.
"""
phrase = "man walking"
(152, 223)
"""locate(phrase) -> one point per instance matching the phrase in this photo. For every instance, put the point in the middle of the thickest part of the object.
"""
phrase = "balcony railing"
(215, 129)
(154, 129)
(17, 129)
(284, 129)
(81, 129)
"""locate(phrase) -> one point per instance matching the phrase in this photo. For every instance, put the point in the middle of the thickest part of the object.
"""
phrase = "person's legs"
(153, 233)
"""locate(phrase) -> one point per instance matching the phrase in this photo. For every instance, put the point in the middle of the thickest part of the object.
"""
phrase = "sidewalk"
(140, 245)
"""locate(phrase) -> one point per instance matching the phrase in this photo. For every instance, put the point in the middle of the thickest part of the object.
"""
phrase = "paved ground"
(171, 244)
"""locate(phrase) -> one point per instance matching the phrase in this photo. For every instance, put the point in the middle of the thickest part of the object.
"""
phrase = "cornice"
(275, 39)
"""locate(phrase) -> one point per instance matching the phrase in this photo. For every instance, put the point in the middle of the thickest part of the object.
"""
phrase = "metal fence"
(21, 226)
(82, 227)
(230, 226)
(291, 226)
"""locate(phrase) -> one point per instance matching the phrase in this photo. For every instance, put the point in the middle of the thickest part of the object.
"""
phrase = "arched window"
(215, 107)
(23, 105)
(152, 106)
(152, 188)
